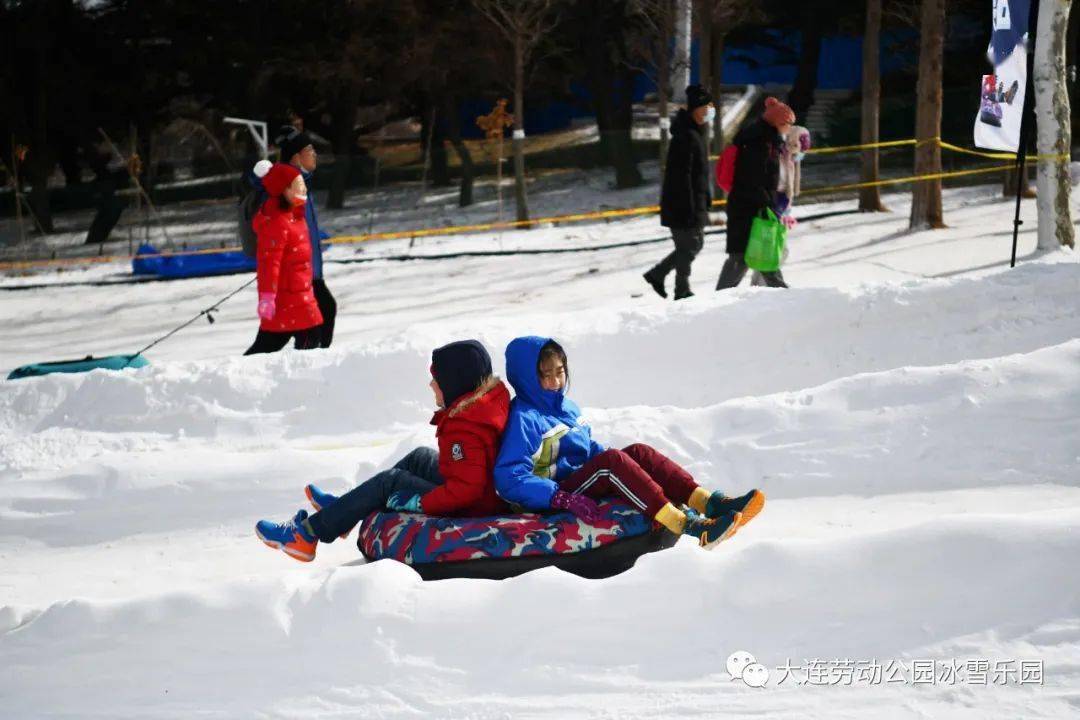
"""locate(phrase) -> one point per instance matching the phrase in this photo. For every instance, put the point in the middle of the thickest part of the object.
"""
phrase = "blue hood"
(522, 360)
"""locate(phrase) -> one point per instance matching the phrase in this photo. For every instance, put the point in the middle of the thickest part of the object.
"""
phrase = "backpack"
(249, 205)
(725, 167)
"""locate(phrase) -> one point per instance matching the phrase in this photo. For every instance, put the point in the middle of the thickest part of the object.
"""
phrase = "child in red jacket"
(287, 306)
(455, 480)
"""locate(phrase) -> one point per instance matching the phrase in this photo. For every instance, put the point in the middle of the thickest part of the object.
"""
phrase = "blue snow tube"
(109, 362)
(189, 266)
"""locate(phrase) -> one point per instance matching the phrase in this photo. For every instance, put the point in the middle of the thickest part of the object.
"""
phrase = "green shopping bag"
(766, 246)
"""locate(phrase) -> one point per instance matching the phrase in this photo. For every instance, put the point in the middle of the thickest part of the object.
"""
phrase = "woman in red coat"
(287, 305)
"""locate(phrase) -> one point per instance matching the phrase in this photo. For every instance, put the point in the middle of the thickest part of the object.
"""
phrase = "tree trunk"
(40, 162)
(453, 134)
(621, 141)
(611, 85)
(1072, 58)
(870, 197)
(663, 93)
(520, 196)
(1008, 187)
(680, 66)
(440, 167)
(926, 195)
(716, 88)
(344, 121)
(705, 61)
(1054, 130)
(801, 96)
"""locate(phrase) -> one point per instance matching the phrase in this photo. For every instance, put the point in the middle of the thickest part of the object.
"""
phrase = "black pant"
(270, 342)
(328, 308)
(734, 271)
(688, 243)
(416, 473)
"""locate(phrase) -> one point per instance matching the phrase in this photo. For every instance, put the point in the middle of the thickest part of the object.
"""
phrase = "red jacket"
(283, 266)
(468, 432)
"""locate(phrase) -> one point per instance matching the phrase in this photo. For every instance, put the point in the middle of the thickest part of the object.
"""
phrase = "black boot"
(657, 284)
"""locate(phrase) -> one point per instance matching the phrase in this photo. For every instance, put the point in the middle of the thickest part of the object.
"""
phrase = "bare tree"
(926, 195)
(717, 18)
(870, 197)
(680, 64)
(1054, 131)
(524, 23)
(657, 21)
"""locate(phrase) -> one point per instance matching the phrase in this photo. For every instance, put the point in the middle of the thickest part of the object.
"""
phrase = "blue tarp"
(186, 266)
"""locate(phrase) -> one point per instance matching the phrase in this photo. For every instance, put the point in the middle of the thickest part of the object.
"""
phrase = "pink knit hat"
(777, 113)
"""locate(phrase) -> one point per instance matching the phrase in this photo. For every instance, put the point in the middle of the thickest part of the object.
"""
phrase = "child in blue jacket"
(549, 460)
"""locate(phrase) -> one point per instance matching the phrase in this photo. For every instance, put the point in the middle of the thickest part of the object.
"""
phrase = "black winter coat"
(757, 177)
(686, 194)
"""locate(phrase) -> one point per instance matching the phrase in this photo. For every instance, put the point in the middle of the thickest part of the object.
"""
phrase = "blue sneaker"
(710, 532)
(320, 499)
(748, 505)
(289, 537)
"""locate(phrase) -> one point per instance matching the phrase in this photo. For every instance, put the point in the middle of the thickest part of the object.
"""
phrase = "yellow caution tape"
(898, 181)
(1002, 155)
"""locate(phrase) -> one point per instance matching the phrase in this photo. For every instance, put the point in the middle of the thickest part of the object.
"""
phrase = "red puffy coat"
(468, 432)
(283, 266)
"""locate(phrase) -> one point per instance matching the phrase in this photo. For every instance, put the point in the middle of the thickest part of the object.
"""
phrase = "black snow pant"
(688, 243)
(734, 271)
(270, 342)
(415, 474)
(328, 308)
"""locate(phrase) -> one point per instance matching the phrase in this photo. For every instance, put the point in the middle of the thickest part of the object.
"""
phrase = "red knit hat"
(279, 177)
(777, 113)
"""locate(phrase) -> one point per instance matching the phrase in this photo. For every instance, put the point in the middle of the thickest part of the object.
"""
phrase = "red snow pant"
(638, 474)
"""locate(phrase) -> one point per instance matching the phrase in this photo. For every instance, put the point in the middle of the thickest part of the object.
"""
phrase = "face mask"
(799, 156)
(710, 115)
(299, 200)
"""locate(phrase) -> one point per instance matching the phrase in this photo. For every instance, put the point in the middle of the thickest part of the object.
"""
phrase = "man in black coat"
(757, 177)
(687, 192)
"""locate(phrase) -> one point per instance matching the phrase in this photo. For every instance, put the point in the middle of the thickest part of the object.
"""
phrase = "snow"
(910, 408)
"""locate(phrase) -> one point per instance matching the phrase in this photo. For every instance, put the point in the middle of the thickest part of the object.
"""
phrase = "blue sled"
(109, 362)
(190, 266)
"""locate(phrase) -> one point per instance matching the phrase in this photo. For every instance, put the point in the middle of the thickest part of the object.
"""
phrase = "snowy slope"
(911, 409)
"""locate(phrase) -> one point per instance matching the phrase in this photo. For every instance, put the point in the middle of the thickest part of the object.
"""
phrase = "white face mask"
(710, 115)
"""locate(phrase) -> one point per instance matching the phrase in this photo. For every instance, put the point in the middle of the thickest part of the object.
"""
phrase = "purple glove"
(267, 305)
(581, 506)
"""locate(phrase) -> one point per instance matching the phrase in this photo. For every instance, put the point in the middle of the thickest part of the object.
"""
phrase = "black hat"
(697, 96)
(459, 368)
(291, 141)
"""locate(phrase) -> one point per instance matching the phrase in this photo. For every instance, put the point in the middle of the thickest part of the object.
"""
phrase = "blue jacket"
(317, 235)
(544, 440)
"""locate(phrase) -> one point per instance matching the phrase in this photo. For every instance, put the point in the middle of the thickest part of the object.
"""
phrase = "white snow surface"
(911, 408)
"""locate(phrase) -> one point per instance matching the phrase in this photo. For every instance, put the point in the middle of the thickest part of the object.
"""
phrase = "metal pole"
(257, 128)
(1025, 124)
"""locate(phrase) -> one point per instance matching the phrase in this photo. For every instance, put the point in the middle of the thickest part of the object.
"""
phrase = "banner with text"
(997, 125)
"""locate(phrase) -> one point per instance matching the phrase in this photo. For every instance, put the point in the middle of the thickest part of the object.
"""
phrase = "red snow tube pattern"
(507, 545)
